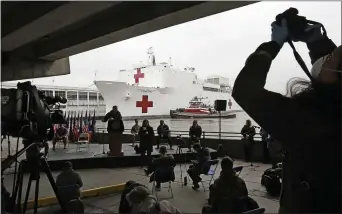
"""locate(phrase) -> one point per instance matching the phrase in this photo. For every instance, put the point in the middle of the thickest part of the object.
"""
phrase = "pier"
(104, 176)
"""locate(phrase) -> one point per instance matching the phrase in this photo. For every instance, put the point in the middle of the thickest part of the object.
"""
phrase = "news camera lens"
(60, 99)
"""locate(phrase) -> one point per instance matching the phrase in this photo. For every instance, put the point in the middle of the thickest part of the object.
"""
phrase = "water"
(208, 125)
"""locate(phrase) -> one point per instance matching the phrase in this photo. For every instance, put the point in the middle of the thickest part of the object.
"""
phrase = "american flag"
(85, 128)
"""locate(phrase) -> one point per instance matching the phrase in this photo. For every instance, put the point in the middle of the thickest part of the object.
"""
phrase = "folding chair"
(164, 141)
(169, 172)
(212, 164)
(82, 139)
(59, 142)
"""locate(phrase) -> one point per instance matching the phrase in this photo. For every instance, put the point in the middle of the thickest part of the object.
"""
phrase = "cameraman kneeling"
(308, 123)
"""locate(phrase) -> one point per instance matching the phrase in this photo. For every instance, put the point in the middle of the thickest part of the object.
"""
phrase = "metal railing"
(205, 134)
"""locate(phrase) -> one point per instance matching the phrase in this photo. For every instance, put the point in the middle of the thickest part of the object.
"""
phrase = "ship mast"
(151, 56)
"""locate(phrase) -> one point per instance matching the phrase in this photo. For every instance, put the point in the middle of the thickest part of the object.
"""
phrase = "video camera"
(296, 26)
(27, 113)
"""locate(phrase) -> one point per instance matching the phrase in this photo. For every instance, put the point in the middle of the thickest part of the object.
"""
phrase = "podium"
(115, 143)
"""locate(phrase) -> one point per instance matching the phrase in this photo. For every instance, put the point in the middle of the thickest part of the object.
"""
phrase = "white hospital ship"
(155, 89)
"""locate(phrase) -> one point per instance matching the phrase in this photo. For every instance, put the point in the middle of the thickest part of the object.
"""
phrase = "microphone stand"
(180, 151)
(103, 149)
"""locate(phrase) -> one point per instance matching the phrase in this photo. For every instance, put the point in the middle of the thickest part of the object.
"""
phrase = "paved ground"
(186, 199)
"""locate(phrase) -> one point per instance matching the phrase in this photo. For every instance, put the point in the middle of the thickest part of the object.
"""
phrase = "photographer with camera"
(308, 123)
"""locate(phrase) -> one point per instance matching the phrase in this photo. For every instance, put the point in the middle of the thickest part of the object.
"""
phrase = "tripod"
(180, 151)
(36, 162)
(249, 146)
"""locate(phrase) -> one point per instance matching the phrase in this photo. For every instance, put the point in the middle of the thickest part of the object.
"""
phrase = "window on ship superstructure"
(72, 95)
(82, 95)
(48, 93)
(60, 93)
(210, 89)
(92, 98)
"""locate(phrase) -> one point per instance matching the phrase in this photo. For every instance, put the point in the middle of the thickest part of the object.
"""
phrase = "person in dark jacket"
(248, 132)
(115, 129)
(163, 133)
(307, 122)
(195, 133)
(227, 190)
(164, 163)
(198, 166)
(146, 135)
(68, 176)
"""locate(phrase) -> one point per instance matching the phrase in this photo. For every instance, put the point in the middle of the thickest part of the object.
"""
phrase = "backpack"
(272, 181)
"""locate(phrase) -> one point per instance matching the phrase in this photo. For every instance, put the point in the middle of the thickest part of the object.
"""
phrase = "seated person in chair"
(61, 134)
(163, 133)
(163, 164)
(227, 190)
(195, 133)
(198, 167)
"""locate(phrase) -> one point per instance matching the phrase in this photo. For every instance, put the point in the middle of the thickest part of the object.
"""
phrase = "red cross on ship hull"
(144, 104)
(138, 75)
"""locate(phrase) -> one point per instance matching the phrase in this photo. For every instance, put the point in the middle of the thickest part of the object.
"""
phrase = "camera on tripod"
(28, 113)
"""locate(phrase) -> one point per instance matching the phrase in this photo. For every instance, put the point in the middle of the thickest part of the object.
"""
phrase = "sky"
(214, 45)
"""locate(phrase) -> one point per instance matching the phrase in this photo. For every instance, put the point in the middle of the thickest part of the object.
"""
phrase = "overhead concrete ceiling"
(51, 31)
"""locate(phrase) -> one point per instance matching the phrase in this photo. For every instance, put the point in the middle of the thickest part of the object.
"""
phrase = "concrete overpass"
(38, 37)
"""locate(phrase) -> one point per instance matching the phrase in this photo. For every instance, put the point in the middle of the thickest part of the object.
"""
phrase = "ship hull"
(136, 101)
(129, 98)
(188, 115)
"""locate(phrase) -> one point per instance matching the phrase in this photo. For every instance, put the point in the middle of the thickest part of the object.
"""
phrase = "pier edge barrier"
(95, 192)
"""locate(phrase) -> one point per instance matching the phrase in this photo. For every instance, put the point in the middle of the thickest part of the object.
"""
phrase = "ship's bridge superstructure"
(158, 76)
(161, 75)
